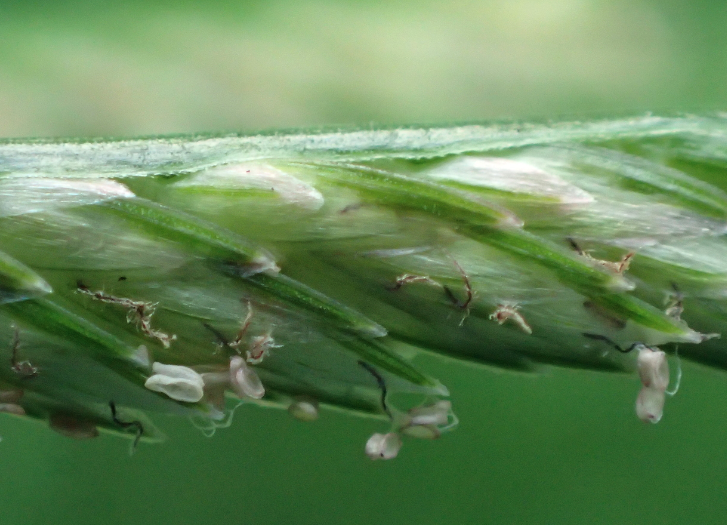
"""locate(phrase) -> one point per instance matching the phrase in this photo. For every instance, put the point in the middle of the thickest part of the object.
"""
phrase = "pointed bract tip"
(42, 286)
(372, 329)
(439, 388)
(618, 283)
(510, 221)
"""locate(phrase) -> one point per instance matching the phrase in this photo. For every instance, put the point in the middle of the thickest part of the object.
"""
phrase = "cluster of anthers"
(423, 422)
(652, 363)
(183, 383)
(428, 421)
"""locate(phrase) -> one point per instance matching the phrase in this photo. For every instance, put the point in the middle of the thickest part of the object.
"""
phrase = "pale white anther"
(653, 368)
(650, 404)
(175, 371)
(435, 414)
(178, 382)
(304, 409)
(383, 446)
(244, 380)
(654, 374)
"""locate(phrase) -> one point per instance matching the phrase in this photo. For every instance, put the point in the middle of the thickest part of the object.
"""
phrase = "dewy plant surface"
(189, 275)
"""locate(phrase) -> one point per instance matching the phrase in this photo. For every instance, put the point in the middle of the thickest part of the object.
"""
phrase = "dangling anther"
(653, 370)
(383, 446)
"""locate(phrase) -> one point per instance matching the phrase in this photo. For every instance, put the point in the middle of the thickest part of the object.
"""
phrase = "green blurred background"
(89, 67)
(563, 447)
